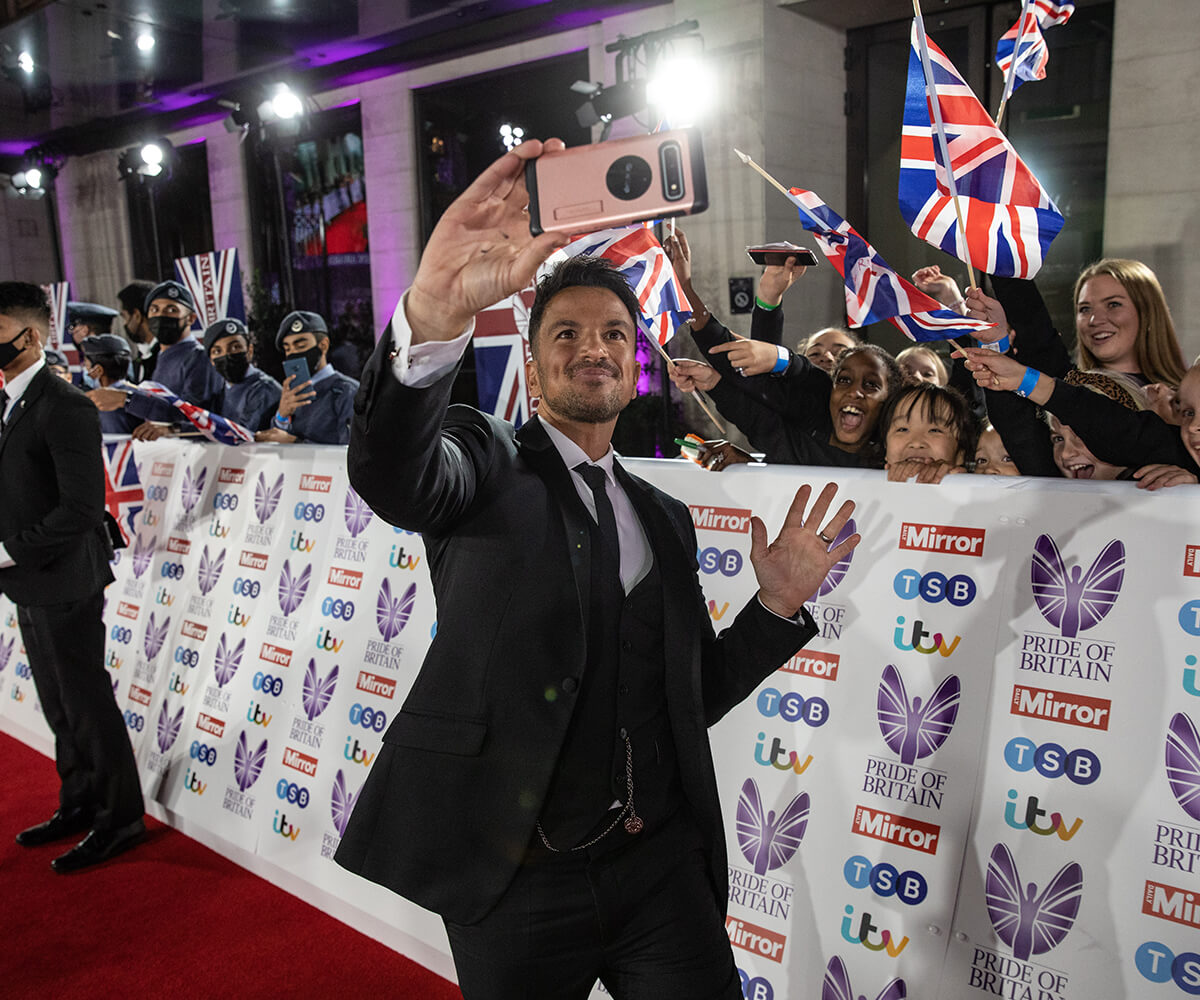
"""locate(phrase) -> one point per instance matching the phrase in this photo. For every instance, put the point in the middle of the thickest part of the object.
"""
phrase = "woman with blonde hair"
(1123, 323)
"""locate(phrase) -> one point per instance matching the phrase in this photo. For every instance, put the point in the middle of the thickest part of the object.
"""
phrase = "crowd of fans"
(214, 372)
(1123, 408)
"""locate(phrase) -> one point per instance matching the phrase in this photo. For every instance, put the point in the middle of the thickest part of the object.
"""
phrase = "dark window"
(171, 217)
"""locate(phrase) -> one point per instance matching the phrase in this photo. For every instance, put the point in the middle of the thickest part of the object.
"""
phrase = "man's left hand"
(791, 568)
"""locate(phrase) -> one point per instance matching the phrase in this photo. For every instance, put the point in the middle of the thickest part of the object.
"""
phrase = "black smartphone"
(607, 184)
(776, 254)
(297, 367)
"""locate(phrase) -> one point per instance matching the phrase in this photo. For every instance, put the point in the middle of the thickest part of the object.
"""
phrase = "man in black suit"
(54, 553)
(547, 786)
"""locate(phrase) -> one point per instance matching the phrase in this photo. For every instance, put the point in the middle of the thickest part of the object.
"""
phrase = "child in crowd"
(928, 430)
(922, 364)
(991, 457)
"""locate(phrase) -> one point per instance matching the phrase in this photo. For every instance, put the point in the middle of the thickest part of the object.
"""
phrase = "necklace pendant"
(634, 824)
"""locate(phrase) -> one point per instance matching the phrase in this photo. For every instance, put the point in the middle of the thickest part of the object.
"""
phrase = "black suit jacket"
(52, 496)
(450, 804)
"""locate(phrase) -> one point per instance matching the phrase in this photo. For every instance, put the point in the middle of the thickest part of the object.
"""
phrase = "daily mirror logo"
(948, 539)
(733, 519)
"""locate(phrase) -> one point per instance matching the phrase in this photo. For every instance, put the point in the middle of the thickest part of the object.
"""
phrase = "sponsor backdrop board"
(982, 777)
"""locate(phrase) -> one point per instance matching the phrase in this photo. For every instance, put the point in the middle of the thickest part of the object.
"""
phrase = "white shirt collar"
(16, 387)
(572, 454)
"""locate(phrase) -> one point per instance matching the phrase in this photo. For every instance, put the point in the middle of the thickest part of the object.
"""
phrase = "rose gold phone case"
(606, 184)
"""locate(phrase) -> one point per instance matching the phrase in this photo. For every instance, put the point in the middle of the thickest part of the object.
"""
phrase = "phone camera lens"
(670, 161)
(628, 178)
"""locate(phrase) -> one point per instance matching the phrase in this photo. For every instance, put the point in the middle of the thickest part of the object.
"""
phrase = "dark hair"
(891, 367)
(942, 403)
(575, 272)
(114, 368)
(25, 303)
(133, 295)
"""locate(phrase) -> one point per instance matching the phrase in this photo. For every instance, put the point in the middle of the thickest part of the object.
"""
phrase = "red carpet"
(169, 919)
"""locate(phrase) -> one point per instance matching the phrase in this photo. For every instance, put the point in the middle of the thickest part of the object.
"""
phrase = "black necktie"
(609, 556)
(3, 408)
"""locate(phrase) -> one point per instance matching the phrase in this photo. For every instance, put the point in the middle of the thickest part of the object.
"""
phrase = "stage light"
(25, 62)
(512, 136)
(609, 103)
(145, 41)
(681, 91)
(33, 177)
(286, 104)
(31, 181)
(150, 159)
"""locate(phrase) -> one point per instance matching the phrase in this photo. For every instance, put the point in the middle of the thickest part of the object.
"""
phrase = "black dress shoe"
(99, 846)
(57, 827)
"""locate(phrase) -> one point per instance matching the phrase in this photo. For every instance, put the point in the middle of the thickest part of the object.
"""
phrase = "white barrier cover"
(982, 779)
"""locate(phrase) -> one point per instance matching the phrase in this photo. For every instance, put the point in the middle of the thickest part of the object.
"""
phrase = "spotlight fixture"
(32, 181)
(149, 160)
(605, 104)
(277, 105)
(145, 41)
(25, 63)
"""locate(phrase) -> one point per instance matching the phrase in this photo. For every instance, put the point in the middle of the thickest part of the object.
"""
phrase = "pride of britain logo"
(767, 840)
(1073, 600)
(837, 985)
(1183, 763)
(1031, 922)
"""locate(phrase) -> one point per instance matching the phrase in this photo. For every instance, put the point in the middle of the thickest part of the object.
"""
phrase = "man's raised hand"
(481, 250)
(791, 568)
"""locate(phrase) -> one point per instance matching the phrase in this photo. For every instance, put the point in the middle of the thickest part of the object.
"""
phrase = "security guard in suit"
(54, 555)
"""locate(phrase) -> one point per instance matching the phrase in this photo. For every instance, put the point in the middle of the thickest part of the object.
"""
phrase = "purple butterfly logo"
(766, 841)
(1183, 763)
(358, 514)
(248, 766)
(342, 804)
(210, 570)
(266, 498)
(292, 589)
(142, 556)
(227, 660)
(317, 692)
(168, 728)
(1028, 922)
(839, 568)
(6, 649)
(909, 728)
(193, 487)
(391, 613)
(1075, 601)
(837, 985)
(155, 637)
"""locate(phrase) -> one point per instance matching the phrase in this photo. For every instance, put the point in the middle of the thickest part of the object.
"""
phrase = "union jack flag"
(1026, 39)
(57, 294)
(215, 281)
(1032, 55)
(875, 292)
(123, 493)
(641, 258)
(501, 343)
(1010, 220)
(213, 426)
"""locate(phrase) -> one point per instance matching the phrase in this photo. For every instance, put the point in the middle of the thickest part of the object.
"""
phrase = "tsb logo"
(959, 590)
(203, 753)
(792, 707)
(1051, 760)
(1156, 962)
(885, 880)
(713, 560)
(172, 571)
(134, 721)
(292, 793)
(309, 511)
(268, 684)
(225, 501)
(119, 633)
(368, 717)
(337, 608)
(188, 657)
(246, 587)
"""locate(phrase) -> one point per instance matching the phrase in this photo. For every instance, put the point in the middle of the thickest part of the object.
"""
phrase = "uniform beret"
(106, 345)
(170, 290)
(300, 322)
(227, 327)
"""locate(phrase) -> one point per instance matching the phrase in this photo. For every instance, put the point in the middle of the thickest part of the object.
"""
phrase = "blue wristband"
(1029, 382)
(785, 359)
(1000, 346)
(283, 423)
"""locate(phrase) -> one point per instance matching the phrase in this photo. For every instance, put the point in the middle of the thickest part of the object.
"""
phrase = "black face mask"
(312, 358)
(167, 330)
(9, 351)
(232, 367)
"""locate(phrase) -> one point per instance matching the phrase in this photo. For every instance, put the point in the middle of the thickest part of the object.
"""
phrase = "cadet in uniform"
(251, 396)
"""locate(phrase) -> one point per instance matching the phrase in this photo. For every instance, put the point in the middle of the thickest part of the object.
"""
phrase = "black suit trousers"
(642, 918)
(65, 644)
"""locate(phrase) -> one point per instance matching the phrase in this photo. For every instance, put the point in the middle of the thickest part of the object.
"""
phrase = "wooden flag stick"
(1011, 75)
(699, 396)
(936, 114)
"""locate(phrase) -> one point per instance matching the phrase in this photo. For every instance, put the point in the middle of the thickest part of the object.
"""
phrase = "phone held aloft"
(777, 254)
(615, 183)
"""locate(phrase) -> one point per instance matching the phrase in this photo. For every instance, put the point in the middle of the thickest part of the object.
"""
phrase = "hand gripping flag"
(1026, 41)
(640, 257)
(1009, 218)
(215, 281)
(875, 292)
(212, 425)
